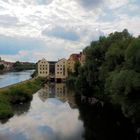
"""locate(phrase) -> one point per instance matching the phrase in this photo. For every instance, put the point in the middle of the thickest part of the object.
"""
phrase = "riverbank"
(17, 94)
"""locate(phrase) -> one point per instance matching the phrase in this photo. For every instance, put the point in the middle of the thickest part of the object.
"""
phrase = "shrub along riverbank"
(17, 94)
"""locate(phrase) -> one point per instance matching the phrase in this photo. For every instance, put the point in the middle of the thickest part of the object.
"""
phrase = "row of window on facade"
(47, 72)
(43, 62)
(46, 69)
(47, 65)
(43, 72)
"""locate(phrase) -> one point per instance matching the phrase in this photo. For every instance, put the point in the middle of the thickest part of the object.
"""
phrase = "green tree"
(76, 68)
(1, 67)
(132, 55)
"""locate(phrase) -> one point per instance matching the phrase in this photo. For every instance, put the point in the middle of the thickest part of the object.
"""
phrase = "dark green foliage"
(71, 80)
(112, 71)
(112, 65)
(132, 55)
(34, 74)
(76, 68)
(1, 66)
(5, 108)
(18, 66)
(125, 82)
(17, 94)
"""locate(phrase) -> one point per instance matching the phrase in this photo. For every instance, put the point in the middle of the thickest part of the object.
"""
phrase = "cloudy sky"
(33, 29)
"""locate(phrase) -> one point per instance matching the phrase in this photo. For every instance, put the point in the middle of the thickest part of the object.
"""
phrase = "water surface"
(10, 78)
(51, 116)
(56, 113)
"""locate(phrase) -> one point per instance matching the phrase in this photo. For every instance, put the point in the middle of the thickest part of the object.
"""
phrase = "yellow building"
(60, 90)
(43, 68)
(61, 69)
(58, 71)
(70, 64)
(71, 61)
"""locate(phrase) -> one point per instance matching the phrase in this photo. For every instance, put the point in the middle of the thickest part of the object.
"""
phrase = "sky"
(53, 29)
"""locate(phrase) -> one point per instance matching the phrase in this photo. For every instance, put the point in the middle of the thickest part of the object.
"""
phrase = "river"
(55, 113)
(52, 115)
(10, 78)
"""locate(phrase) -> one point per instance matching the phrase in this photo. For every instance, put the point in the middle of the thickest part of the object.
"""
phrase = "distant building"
(43, 68)
(58, 70)
(71, 61)
(52, 69)
(61, 69)
(7, 65)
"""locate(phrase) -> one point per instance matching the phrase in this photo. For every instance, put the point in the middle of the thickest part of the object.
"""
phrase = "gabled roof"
(61, 60)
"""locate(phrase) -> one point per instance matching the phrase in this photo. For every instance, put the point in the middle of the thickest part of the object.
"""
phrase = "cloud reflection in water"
(49, 120)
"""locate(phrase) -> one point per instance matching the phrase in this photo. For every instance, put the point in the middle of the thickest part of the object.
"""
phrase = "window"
(57, 65)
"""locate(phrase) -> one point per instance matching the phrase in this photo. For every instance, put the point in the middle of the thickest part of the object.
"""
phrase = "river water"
(52, 115)
(10, 78)
(55, 113)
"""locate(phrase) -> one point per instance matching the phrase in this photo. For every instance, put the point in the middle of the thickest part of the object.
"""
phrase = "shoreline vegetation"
(19, 93)
(112, 73)
(15, 66)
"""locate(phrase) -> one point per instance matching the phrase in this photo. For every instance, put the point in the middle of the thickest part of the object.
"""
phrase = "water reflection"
(52, 116)
(58, 91)
(21, 108)
(102, 121)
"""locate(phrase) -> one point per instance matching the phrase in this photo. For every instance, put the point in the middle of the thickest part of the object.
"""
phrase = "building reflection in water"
(59, 91)
(52, 108)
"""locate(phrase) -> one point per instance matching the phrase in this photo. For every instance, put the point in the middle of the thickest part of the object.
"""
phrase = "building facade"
(53, 70)
(61, 69)
(43, 68)
(72, 60)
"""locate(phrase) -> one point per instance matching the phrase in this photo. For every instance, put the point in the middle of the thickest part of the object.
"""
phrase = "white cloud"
(113, 4)
(80, 18)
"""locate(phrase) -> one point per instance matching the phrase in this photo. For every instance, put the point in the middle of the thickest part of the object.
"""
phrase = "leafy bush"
(17, 94)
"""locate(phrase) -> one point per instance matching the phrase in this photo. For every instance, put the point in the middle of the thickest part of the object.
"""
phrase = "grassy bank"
(16, 94)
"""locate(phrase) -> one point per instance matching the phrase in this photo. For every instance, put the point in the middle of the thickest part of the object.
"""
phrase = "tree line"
(112, 71)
